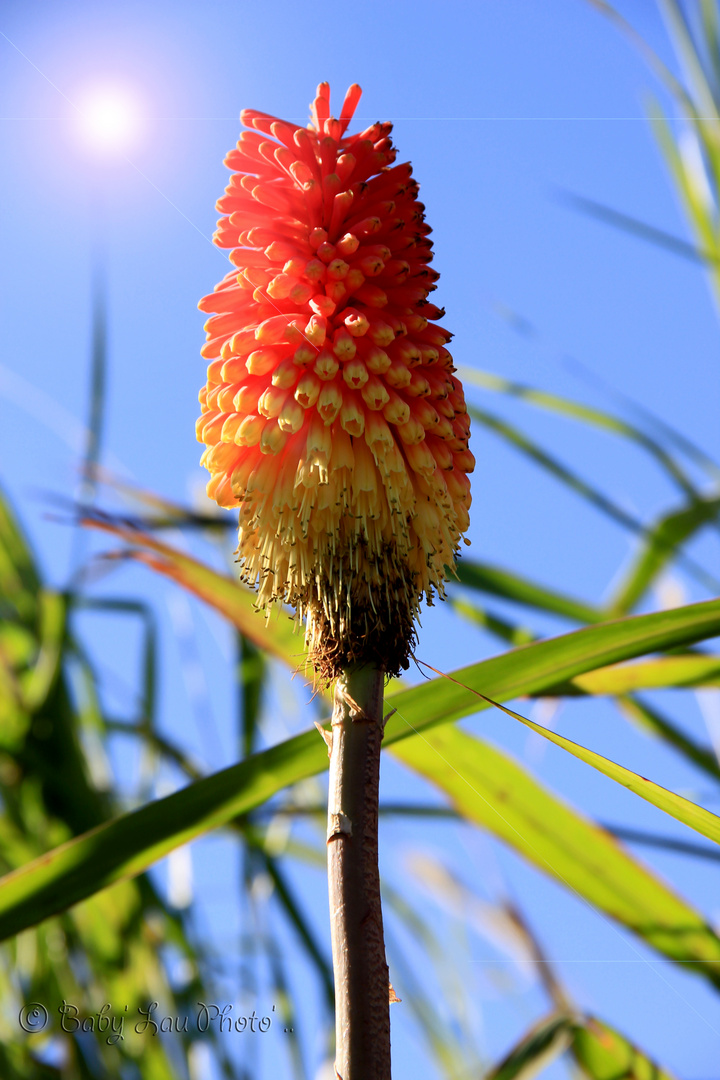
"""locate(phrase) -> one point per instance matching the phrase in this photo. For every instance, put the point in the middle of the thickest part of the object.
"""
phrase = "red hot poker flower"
(331, 416)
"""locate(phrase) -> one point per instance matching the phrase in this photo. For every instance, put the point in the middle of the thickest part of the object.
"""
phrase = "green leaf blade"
(604, 1054)
(532, 668)
(486, 786)
(130, 844)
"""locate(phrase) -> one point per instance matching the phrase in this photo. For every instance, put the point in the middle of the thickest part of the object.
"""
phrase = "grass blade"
(659, 545)
(19, 581)
(653, 721)
(495, 624)
(488, 787)
(549, 1038)
(693, 669)
(696, 817)
(510, 586)
(233, 600)
(604, 1054)
(585, 413)
(290, 905)
(129, 844)
(635, 227)
(664, 843)
(517, 438)
(533, 668)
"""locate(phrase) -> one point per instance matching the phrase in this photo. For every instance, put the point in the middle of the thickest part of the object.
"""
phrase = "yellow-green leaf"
(604, 1054)
(489, 788)
(534, 668)
(694, 669)
(130, 844)
(689, 813)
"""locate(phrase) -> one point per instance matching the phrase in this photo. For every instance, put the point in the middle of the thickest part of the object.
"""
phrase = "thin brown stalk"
(362, 1017)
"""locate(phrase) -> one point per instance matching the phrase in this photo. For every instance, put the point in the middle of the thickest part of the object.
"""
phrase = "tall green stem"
(362, 1016)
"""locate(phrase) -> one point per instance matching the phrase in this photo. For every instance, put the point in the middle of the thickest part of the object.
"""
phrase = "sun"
(108, 119)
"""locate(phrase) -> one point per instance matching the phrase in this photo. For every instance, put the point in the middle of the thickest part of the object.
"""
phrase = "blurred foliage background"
(91, 925)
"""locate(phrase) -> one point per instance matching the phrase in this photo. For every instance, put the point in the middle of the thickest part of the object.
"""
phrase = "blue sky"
(499, 106)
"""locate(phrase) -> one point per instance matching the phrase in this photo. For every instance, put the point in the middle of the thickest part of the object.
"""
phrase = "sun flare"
(108, 119)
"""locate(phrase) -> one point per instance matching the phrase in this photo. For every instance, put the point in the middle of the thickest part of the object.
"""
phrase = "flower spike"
(331, 416)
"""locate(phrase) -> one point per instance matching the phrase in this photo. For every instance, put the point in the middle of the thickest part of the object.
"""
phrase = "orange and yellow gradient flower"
(331, 416)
